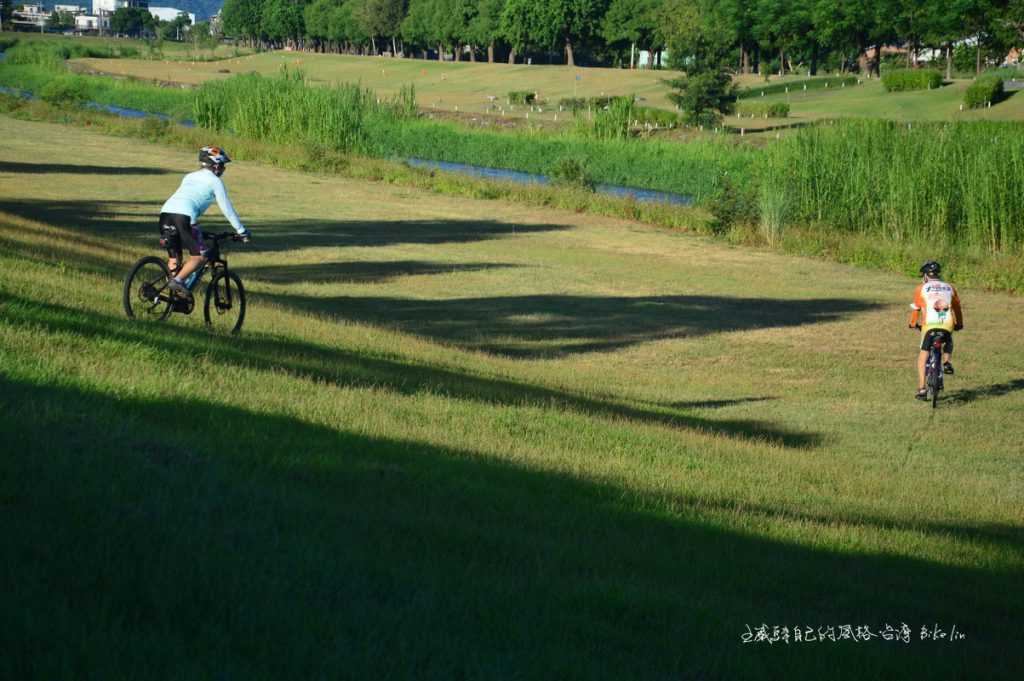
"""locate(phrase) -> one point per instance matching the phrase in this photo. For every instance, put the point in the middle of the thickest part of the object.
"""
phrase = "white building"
(87, 22)
(73, 10)
(111, 6)
(170, 14)
(30, 15)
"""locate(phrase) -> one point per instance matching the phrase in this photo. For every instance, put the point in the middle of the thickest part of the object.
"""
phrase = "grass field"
(442, 85)
(467, 86)
(470, 439)
(870, 100)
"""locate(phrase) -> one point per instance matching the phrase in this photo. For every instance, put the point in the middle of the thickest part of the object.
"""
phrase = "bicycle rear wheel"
(933, 380)
(224, 307)
(146, 295)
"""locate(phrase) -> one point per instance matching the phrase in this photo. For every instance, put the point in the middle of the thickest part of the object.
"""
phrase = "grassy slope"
(465, 438)
(467, 86)
(870, 100)
(446, 85)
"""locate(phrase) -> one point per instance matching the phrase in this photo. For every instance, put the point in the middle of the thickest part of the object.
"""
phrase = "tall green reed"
(287, 109)
(949, 183)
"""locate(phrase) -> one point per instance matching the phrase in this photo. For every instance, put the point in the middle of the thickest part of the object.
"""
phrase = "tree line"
(751, 35)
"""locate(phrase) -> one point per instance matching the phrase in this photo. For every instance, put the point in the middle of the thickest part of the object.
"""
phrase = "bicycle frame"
(933, 369)
(213, 262)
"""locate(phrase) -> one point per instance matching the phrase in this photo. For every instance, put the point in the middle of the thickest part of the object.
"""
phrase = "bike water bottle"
(192, 279)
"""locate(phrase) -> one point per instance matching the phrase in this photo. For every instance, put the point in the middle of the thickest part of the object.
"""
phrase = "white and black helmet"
(213, 156)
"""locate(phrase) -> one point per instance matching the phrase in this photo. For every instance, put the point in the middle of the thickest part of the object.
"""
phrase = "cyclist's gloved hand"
(245, 236)
(958, 327)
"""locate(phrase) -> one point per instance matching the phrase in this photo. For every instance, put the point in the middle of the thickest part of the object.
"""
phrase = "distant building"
(650, 60)
(87, 22)
(73, 10)
(111, 6)
(34, 16)
(171, 13)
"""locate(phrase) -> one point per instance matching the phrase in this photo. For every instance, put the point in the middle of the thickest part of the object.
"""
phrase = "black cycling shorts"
(926, 340)
(189, 236)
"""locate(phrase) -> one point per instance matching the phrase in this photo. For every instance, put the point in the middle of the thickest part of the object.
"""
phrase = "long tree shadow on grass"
(136, 220)
(347, 368)
(268, 547)
(69, 168)
(365, 272)
(986, 392)
(542, 326)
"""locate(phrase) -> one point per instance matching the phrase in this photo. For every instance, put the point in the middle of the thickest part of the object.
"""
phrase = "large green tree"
(381, 19)
(701, 44)
(241, 19)
(283, 21)
(418, 25)
(633, 23)
(485, 27)
(132, 21)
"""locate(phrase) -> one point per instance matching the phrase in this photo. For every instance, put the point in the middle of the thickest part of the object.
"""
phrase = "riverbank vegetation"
(954, 189)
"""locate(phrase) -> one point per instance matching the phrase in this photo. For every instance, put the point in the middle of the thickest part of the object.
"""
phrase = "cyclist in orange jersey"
(936, 311)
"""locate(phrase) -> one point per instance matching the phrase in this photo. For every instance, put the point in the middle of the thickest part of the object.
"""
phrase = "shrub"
(521, 97)
(986, 89)
(763, 109)
(732, 204)
(65, 91)
(612, 122)
(900, 80)
(658, 117)
(704, 98)
(577, 104)
(570, 172)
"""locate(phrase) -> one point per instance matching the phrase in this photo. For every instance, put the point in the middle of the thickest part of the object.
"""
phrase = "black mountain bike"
(933, 372)
(147, 295)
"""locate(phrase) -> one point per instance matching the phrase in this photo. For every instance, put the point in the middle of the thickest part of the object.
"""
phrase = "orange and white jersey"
(936, 306)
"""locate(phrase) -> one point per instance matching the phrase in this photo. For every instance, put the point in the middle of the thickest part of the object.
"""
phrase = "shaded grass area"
(333, 553)
(357, 491)
(545, 326)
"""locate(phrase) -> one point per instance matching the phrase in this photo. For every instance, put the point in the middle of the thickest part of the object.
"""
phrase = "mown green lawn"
(870, 100)
(471, 439)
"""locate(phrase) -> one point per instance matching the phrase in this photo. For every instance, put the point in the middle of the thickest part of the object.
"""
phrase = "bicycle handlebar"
(234, 236)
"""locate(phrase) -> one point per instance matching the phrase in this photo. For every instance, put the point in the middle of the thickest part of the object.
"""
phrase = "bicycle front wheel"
(224, 307)
(146, 295)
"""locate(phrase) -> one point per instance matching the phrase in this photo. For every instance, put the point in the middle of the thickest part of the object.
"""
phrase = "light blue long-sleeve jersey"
(197, 192)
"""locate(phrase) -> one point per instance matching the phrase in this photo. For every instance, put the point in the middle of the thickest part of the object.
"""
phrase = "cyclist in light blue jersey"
(180, 213)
